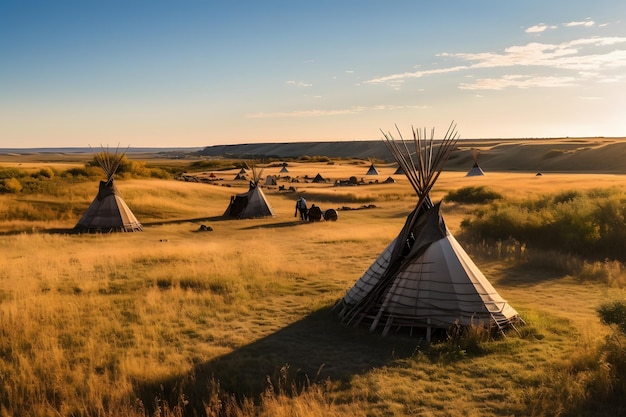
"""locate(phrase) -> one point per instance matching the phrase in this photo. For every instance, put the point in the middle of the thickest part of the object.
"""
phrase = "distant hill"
(361, 149)
(597, 155)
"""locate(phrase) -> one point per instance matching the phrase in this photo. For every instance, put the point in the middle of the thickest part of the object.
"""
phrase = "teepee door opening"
(238, 204)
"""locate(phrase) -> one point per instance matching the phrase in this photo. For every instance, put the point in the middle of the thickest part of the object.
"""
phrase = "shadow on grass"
(313, 349)
(277, 225)
(524, 275)
(215, 219)
(180, 221)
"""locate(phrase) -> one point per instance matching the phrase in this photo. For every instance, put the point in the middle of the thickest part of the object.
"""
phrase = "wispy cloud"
(300, 84)
(539, 28)
(416, 74)
(518, 81)
(568, 55)
(585, 56)
(586, 23)
(335, 112)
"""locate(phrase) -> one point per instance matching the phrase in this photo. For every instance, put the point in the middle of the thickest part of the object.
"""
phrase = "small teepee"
(475, 171)
(318, 178)
(424, 278)
(372, 170)
(284, 168)
(252, 203)
(108, 212)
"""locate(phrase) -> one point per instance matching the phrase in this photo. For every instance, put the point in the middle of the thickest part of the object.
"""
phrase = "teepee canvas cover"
(251, 203)
(424, 278)
(108, 212)
(318, 178)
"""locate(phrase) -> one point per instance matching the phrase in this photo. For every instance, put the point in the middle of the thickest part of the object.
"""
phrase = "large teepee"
(476, 170)
(424, 278)
(251, 203)
(108, 212)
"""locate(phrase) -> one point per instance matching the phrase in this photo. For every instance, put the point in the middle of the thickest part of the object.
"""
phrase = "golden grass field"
(157, 322)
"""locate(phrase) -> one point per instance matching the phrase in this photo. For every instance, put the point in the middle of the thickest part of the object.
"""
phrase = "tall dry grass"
(237, 321)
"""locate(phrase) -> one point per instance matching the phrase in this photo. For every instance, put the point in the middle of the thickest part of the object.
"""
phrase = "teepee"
(372, 170)
(318, 178)
(108, 212)
(475, 171)
(251, 203)
(424, 278)
(284, 168)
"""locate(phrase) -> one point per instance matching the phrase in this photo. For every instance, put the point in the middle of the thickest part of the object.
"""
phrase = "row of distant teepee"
(109, 212)
(476, 170)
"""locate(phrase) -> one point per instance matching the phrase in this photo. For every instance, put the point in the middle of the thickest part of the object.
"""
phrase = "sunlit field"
(238, 321)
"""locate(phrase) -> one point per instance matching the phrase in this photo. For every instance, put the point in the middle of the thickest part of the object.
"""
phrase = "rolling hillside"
(601, 155)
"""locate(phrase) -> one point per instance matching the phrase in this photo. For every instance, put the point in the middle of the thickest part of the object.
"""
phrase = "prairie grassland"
(238, 321)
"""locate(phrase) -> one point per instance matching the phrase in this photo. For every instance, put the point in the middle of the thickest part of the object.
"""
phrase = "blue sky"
(198, 73)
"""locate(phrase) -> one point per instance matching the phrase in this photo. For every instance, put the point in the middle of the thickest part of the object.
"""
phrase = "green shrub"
(78, 173)
(589, 224)
(473, 195)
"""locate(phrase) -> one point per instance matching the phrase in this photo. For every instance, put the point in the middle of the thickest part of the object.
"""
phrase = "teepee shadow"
(522, 275)
(181, 221)
(276, 225)
(312, 349)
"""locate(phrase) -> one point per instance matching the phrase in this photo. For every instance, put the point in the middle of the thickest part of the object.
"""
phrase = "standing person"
(301, 207)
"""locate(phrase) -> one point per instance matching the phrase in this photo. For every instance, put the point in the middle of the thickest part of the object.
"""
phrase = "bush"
(316, 158)
(44, 173)
(12, 185)
(589, 224)
(614, 313)
(6, 173)
(133, 169)
(78, 173)
(473, 195)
